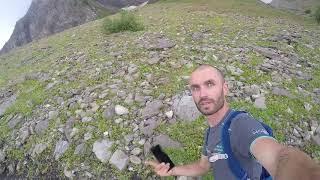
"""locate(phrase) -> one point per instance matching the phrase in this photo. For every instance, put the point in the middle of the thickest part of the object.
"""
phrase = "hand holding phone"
(161, 156)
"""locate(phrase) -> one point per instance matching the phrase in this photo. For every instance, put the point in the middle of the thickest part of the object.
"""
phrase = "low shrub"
(126, 22)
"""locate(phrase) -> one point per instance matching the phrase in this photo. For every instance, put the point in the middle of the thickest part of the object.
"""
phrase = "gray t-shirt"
(243, 131)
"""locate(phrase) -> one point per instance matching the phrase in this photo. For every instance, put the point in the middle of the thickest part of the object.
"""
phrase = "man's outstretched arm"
(195, 169)
(284, 162)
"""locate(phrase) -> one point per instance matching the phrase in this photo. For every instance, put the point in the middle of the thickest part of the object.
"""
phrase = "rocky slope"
(82, 104)
(46, 17)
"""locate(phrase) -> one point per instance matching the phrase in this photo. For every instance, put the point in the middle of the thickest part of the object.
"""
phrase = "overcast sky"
(10, 12)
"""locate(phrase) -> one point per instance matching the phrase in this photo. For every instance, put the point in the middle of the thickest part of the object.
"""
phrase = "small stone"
(106, 133)
(109, 113)
(53, 115)
(87, 136)
(41, 127)
(120, 110)
(61, 147)
(38, 149)
(260, 103)
(136, 151)
(296, 133)
(307, 106)
(169, 114)
(152, 109)
(80, 149)
(142, 141)
(74, 131)
(86, 119)
(68, 174)
(118, 121)
(135, 159)
(119, 159)
(2, 156)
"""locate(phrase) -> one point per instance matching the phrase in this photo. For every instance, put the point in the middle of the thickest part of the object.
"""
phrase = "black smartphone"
(161, 156)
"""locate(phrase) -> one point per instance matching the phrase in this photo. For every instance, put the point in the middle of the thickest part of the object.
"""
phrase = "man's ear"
(225, 88)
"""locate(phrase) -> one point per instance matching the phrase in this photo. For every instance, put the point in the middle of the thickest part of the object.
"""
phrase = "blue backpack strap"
(234, 165)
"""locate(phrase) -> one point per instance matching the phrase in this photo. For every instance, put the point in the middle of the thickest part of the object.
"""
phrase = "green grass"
(127, 22)
(230, 24)
(31, 93)
(317, 15)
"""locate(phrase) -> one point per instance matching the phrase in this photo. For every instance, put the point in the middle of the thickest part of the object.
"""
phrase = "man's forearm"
(295, 165)
(194, 169)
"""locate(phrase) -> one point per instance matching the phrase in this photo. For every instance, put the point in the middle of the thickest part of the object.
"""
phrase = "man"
(250, 142)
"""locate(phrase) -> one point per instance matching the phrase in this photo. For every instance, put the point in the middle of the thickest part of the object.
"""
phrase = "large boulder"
(185, 109)
(102, 149)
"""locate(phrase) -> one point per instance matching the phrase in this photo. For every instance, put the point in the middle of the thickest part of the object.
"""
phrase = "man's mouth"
(205, 102)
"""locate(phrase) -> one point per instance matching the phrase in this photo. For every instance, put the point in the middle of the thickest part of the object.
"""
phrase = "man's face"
(208, 90)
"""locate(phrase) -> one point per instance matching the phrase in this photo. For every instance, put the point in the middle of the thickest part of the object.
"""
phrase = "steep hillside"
(85, 104)
(46, 17)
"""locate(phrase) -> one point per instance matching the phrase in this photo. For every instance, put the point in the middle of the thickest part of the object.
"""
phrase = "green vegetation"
(31, 94)
(127, 22)
(77, 59)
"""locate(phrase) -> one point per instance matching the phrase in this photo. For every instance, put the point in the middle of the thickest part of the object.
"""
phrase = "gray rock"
(267, 52)
(38, 149)
(86, 119)
(185, 109)
(53, 115)
(102, 148)
(80, 149)
(169, 114)
(234, 70)
(281, 92)
(252, 90)
(136, 151)
(23, 135)
(120, 110)
(307, 106)
(60, 149)
(260, 103)
(135, 159)
(119, 159)
(15, 121)
(149, 126)
(153, 108)
(109, 113)
(128, 138)
(68, 174)
(6, 102)
(316, 137)
(41, 126)
(146, 148)
(87, 136)
(2, 156)
(165, 141)
(68, 129)
(197, 36)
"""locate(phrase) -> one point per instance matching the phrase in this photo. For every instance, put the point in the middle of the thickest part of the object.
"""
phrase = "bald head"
(216, 71)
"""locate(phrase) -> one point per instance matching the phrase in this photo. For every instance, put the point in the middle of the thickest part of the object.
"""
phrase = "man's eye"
(210, 84)
(194, 88)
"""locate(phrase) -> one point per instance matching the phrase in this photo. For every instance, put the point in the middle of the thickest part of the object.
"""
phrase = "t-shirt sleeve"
(205, 139)
(244, 131)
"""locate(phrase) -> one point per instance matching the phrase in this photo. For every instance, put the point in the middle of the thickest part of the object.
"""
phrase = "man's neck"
(217, 117)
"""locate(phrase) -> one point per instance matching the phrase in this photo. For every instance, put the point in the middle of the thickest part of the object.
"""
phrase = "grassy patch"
(127, 22)
(190, 135)
(31, 94)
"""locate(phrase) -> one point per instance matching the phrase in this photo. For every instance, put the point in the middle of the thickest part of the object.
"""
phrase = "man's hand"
(161, 169)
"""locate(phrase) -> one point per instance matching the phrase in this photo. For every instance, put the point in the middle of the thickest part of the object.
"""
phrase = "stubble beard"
(216, 105)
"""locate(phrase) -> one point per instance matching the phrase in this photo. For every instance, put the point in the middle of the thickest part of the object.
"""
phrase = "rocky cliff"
(46, 17)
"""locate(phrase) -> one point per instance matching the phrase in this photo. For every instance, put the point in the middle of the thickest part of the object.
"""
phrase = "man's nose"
(203, 92)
